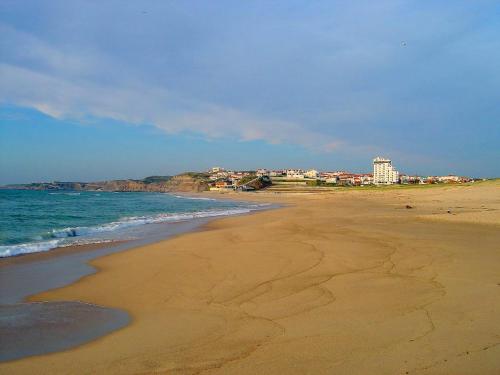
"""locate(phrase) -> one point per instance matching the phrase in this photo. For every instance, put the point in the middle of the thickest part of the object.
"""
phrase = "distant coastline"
(185, 182)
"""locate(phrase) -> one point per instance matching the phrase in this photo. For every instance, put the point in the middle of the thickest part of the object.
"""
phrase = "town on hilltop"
(282, 180)
(384, 173)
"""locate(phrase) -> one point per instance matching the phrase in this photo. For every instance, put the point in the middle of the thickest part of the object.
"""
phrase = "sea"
(34, 221)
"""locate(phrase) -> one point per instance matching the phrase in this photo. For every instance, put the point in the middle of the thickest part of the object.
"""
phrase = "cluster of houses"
(383, 174)
(449, 179)
(341, 178)
(221, 178)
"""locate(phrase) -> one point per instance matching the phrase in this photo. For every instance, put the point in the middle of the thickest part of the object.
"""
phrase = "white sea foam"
(90, 241)
(26, 248)
(73, 236)
(194, 198)
(38, 247)
(141, 220)
(67, 193)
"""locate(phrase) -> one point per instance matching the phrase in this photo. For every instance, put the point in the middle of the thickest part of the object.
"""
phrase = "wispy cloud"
(329, 76)
(142, 105)
(58, 85)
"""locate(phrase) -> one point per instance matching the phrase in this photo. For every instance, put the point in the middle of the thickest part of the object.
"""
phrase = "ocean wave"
(194, 198)
(70, 193)
(90, 241)
(38, 247)
(27, 248)
(133, 221)
(73, 236)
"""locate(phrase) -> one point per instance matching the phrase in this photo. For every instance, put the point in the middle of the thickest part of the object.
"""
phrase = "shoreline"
(23, 258)
(194, 282)
(55, 252)
(83, 256)
(119, 221)
(79, 266)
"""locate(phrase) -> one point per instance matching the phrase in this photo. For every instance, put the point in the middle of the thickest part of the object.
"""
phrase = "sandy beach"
(345, 282)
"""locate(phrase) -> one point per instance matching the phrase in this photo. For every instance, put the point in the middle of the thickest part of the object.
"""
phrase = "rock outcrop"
(187, 182)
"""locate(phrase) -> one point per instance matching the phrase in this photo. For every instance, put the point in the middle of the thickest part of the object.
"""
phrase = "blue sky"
(93, 90)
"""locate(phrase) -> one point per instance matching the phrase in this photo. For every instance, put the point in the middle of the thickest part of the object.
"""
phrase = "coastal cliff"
(187, 182)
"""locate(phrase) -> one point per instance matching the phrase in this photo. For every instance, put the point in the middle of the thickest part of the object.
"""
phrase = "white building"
(312, 173)
(448, 179)
(366, 179)
(216, 169)
(331, 180)
(294, 174)
(384, 172)
(276, 173)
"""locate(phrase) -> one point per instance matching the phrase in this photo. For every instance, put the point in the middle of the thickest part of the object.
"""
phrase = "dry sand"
(338, 283)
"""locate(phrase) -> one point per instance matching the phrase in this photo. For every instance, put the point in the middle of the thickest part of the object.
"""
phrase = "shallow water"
(28, 329)
(35, 221)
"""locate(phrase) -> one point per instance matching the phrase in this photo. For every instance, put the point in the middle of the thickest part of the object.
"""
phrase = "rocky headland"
(186, 182)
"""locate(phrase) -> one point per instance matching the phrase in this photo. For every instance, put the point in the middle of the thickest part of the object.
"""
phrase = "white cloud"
(61, 98)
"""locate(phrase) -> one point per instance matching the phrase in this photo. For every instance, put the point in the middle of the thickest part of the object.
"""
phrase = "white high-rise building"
(384, 172)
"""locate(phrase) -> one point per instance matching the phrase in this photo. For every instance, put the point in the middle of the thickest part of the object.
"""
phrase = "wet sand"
(28, 329)
(347, 282)
(53, 253)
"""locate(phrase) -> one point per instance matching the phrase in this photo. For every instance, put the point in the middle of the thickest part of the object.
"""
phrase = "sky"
(94, 90)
